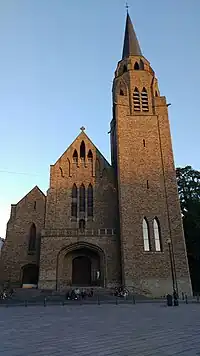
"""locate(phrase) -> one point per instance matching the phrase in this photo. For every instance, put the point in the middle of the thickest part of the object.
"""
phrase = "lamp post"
(171, 263)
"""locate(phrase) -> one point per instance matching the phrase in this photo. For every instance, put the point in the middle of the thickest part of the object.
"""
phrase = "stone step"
(39, 296)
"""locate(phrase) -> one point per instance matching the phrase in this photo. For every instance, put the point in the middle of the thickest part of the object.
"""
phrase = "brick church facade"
(104, 224)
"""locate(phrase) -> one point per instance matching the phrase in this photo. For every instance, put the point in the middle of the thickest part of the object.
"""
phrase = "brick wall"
(31, 209)
(64, 174)
(146, 185)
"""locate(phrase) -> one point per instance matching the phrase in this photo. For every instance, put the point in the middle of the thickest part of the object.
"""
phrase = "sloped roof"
(131, 45)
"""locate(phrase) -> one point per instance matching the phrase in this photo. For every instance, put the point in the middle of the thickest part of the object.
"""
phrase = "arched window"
(69, 167)
(90, 201)
(141, 65)
(157, 235)
(146, 236)
(145, 104)
(82, 225)
(136, 100)
(75, 156)
(121, 88)
(82, 151)
(124, 68)
(136, 66)
(82, 198)
(156, 93)
(74, 201)
(90, 155)
(32, 238)
(61, 172)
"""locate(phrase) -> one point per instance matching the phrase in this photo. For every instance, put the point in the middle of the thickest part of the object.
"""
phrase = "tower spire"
(131, 44)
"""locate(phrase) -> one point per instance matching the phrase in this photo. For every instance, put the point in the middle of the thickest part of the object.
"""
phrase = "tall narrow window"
(157, 235)
(145, 104)
(90, 155)
(90, 201)
(82, 198)
(82, 151)
(136, 66)
(74, 201)
(32, 238)
(136, 100)
(146, 236)
(75, 156)
(61, 172)
(69, 167)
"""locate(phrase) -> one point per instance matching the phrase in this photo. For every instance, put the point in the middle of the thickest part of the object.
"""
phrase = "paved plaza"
(125, 330)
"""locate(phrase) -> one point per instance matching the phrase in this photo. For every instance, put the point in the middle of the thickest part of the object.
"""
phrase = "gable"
(89, 147)
(32, 194)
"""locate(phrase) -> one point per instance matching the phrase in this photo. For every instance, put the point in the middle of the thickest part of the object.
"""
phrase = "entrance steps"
(37, 295)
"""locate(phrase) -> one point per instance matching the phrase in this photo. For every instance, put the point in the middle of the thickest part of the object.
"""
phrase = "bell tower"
(153, 252)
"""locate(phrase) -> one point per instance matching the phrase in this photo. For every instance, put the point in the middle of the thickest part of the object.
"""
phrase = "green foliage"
(188, 188)
(188, 181)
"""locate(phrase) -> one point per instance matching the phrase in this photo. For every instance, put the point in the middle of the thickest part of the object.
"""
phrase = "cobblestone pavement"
(125, 330)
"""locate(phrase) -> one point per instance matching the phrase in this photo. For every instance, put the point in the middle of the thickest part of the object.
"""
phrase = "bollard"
(45, 301)
(176, 303)
(63, 303)
(169, 300)
(98, 300)
(183, 296)
(25, 303)
(133, 299)
(186, 299)
(116, 301)
(198, 298)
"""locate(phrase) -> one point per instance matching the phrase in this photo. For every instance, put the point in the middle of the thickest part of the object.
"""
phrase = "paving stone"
(106, 330)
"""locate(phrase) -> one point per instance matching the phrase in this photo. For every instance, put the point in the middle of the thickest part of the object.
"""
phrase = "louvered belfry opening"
(144, 96)
(136, 100)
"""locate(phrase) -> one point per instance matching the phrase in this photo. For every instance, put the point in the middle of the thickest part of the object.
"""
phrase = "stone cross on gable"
(82, 128)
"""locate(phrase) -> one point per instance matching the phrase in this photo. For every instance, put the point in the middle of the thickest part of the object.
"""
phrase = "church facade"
(103, 224)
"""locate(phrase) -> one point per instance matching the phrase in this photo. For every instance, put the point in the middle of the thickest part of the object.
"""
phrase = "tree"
(188, 187)
(188, 181)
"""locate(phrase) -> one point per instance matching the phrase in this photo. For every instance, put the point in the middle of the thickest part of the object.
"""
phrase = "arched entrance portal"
(30, 275)
(81, 271)
(80, 264)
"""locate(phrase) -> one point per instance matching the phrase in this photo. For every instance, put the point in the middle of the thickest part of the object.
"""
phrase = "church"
(106, 225)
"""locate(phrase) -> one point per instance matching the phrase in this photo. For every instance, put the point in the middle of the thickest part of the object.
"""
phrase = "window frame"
(146, 235)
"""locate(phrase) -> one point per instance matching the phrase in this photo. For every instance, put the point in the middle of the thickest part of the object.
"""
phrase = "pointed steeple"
(131, 44)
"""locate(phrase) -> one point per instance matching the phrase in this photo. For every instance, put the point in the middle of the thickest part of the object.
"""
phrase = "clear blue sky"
(57, 60)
